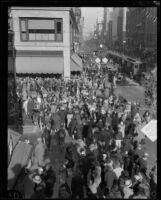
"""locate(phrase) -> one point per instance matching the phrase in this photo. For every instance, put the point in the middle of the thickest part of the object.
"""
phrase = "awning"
(76, 63)
(20, 157)
(15, 137)
(37, 64)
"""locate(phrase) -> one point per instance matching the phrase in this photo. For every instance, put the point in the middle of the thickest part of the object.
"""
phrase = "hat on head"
(40, 170)
(138, 177)
(146, 154)
(36, 179)
(128, 183)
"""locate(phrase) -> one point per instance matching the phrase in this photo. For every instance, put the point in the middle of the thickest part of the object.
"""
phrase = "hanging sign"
(150, 130)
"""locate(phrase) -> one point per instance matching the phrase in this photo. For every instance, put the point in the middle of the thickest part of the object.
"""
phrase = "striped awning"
(76, 63)
(37, 64)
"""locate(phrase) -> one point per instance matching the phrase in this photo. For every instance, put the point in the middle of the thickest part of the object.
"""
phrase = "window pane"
(58, 26)
(23, 25)
(45, 36)
(32, 36)
(40, 24)
(24, 37)
(38, 36)
(59, 37)
(51, 36)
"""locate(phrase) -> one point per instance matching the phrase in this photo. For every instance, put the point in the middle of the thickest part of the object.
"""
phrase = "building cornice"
(42, 8)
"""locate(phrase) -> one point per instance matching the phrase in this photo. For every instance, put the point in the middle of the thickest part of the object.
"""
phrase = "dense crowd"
(106, 157)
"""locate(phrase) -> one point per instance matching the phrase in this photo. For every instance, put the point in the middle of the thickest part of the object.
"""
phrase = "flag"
(147, 14)
(10, 145)
(155, 19)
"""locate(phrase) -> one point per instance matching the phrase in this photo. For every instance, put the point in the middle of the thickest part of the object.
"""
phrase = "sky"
(90, 17)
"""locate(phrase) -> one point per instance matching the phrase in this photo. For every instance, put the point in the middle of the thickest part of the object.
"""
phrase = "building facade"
(115, 26)
(142, 27)
(115, 15)
(44, 38)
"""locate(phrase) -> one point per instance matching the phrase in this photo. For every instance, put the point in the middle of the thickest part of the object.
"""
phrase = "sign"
(150, 130)
(105, 60)
(97, 60)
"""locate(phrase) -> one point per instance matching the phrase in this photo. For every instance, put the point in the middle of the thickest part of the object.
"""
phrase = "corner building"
(44, 39)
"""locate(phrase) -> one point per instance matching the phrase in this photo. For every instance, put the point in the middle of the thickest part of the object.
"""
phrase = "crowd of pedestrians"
(106, 157)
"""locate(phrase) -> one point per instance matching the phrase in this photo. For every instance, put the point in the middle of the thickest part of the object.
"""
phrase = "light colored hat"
(128, 183)
(104, 156)
(103, 111)
(83, 152)
(37, 179)
(39, 139)
(146, 154)
(40, 170)
(138, 177)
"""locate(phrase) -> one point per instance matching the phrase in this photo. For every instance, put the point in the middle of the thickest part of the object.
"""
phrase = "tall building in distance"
(115, 26)
(115, 15)
(99, 26)
(106, 19)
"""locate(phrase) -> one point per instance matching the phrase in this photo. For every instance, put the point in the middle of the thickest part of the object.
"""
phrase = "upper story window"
(40, 29)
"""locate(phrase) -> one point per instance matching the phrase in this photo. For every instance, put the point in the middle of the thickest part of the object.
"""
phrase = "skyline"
(91, 14)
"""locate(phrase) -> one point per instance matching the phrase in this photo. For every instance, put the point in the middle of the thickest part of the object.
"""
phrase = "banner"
(150, 130)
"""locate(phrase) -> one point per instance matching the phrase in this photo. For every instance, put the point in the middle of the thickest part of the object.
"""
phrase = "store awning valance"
(44, 65)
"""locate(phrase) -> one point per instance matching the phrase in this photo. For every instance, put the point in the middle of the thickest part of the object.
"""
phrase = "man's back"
(110, 177)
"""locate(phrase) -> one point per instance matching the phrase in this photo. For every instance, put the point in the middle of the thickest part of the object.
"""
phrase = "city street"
(31, 133)
(131, 91)
(79, 123)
